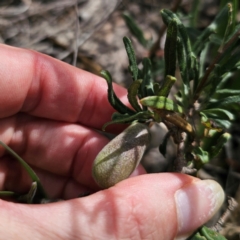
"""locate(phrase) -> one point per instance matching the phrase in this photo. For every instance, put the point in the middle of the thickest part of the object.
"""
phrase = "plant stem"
(180, 161)
(232, 204)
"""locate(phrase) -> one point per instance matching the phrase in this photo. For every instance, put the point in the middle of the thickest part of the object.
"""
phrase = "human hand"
(48, 114)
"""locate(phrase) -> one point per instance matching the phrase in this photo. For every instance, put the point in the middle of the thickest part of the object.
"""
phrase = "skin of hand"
(49, 114)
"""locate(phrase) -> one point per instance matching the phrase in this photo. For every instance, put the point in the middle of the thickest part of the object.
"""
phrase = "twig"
(232, 204)
(180, 161)
(75, 51)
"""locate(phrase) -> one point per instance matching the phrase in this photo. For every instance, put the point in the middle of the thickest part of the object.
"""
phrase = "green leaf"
(234, 12)
(117, 115)
(8, 194)
(147, 88)
(213, 81)
(212, 137)
(202, 40)
(112, 98)
(235, 30)
(135, 29)
(170, 49)
(182, 61)
(201, 157)
(231, 63)
(29, 197)
(219, 112)
(133, 68)
(202, 62)
(194, 13)
(133, 93)
(223, 93)
(166, 86)
(224, 102)
(29, 170)
(223, 80)
(160, 102)
(216, 40)
(205, 233)
(140, 116)
(186, 58)
(223, 123)
(228, 29)
(219, 23)
(215, 150)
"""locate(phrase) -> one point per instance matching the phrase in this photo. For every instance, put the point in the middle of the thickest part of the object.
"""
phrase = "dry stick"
(212, 66)
(180, 161)
(156, 45)
(232, 204)
(75, 51)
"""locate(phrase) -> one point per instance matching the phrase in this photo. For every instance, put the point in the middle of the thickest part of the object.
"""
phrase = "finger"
(14, 178)
(42, 86)
(61, 150)
(57, 147)
(143, 207)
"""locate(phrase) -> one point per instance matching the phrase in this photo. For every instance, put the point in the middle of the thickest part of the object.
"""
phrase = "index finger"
(39, 85)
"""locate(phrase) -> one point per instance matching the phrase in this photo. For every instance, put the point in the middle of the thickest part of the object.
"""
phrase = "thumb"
(154, 206)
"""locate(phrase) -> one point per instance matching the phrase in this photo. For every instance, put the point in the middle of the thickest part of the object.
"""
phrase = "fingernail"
(196, 204)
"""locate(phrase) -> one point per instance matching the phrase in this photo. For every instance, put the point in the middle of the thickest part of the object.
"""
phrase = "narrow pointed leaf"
(166, 86)
(218, 23)
(231, 63)
(228, 29)
(133, 93)
(224, 102)
(184, 48)
(147, 88)
(29, 170)
(215, 150)
(222, 93)
(219, 112)
(135, 29)
(142, 116)
(170, 49)
(112, 98)
(117, 115)
(8, 194)
(223, 123)
(182, 61)
(133, 68)
(182, 45)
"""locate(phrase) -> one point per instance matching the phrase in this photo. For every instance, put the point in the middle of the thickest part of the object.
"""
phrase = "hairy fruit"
(119, 158)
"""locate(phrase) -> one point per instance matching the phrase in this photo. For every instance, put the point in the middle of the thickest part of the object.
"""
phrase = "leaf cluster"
(203, 107)
(204, 64)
